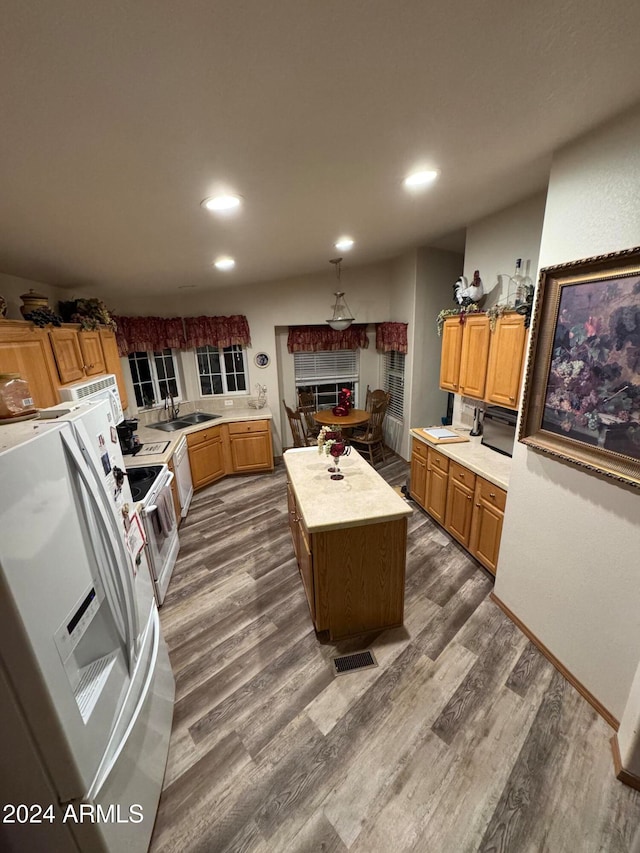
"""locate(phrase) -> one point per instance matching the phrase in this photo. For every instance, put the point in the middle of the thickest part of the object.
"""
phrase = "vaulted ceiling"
(119, 118)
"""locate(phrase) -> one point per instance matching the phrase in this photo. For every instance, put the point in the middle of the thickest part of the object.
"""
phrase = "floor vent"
(350, 663)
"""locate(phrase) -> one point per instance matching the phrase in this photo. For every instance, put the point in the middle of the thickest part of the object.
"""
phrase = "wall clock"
(261, 359)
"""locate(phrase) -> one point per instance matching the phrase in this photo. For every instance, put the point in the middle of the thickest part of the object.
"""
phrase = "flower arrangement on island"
(327, 437)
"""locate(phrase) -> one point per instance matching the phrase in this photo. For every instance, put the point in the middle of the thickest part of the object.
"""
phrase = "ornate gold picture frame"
(581, 397)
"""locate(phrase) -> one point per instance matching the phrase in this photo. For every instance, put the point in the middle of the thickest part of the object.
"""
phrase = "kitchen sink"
(184, 421)
(199, 417)
(171, 426)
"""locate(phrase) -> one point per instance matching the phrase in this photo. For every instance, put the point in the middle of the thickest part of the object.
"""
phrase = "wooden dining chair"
(296, 424)
(371, 439)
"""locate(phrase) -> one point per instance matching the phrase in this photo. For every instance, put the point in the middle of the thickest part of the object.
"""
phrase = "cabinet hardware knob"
(468, 497)
(478, 505)
(512, 399)
(492, 494)
(462, 476)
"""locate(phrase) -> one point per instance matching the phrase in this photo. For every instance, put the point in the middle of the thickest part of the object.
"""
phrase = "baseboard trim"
(622, 775)
(606, 715)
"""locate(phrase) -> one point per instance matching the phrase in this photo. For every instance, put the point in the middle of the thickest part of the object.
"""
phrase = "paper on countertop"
(439, 432)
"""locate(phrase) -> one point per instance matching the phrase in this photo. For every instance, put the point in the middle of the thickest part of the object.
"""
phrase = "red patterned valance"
(324, 338)
(217, 331)
(141, 334)
(391, 337)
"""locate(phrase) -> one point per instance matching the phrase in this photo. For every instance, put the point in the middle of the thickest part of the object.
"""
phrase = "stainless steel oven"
(499, 429)
(152, 485)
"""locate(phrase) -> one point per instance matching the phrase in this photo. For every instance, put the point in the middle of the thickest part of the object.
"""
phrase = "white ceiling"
(117, 119)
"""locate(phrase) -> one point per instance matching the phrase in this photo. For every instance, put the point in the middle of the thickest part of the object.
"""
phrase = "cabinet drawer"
(492, 494)
(203, 435)
(248, 426)
(437, 460)
(462, 475)
(419, 448)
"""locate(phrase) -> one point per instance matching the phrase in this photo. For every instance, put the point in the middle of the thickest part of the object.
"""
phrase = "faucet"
(170, 407)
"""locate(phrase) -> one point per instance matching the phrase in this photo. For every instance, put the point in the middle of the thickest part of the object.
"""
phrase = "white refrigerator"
(86, 688)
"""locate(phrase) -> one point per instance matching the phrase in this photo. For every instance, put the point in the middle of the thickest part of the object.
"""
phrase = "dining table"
(325, 417)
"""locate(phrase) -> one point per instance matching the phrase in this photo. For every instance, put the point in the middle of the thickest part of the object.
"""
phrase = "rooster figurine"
(465, 293)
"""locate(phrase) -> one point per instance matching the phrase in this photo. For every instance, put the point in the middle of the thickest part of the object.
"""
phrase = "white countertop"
(487, 463)
(361, 498)
(148, 435)
(13, 434)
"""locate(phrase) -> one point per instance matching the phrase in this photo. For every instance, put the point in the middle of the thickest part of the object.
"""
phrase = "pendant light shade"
(342, 318)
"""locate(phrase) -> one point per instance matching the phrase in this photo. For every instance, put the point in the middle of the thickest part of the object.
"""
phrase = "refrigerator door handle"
(99, 516)
(125, 576)
(106, 768)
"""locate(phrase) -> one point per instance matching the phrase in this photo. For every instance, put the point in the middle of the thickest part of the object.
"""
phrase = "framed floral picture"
(582, 388)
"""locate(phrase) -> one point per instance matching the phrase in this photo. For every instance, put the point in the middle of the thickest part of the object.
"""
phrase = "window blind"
(336, 366)
(394, 382)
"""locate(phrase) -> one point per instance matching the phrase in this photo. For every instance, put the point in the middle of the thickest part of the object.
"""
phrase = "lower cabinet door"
(207, 463)
(459, 511)
(436, 504)
(418, 478)
(305, 562)
(251, 452)
(486, 531)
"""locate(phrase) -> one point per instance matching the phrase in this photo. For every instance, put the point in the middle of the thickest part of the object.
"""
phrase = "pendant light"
(342, 318)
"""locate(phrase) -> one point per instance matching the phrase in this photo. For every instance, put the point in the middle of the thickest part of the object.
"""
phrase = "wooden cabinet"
(486, 528)
(302, 548)
(351, 559)
(206, 456)
(483, 364)
(437, 481)
(459, 503)
(67, 353)
(250, 446)
(419, 453)
(474, 355)
(92, 355)
(469, 507)
(26, 349)
(506, 361)
(451, 351)
(112, 362)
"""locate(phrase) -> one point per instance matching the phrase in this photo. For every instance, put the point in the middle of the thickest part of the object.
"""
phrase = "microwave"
(499, 429)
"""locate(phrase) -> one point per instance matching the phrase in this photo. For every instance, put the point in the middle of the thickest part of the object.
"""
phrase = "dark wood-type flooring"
(463, 739)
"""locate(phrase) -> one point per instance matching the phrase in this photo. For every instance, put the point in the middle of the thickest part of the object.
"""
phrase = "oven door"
(161, 530)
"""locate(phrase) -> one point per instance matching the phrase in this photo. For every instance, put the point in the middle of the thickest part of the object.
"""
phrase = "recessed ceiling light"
(224, 263)
(417, 180)
(344, 244)
(222, 203)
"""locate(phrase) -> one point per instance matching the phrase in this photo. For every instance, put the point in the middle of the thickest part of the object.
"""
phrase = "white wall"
(437, 272)
(11, 287)
(494, 243)
(569, 559)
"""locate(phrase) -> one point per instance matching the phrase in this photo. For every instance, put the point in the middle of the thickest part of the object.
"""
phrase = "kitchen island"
(350, 539)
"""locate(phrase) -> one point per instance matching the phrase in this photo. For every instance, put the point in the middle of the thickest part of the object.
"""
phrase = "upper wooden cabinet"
(483, 364)
(26, 349)
(506, 360)
(475, 353)
(54, 356)
(67, 353)
(451, 352)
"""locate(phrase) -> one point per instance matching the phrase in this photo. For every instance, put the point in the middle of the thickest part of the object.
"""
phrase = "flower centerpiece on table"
(345, 403)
